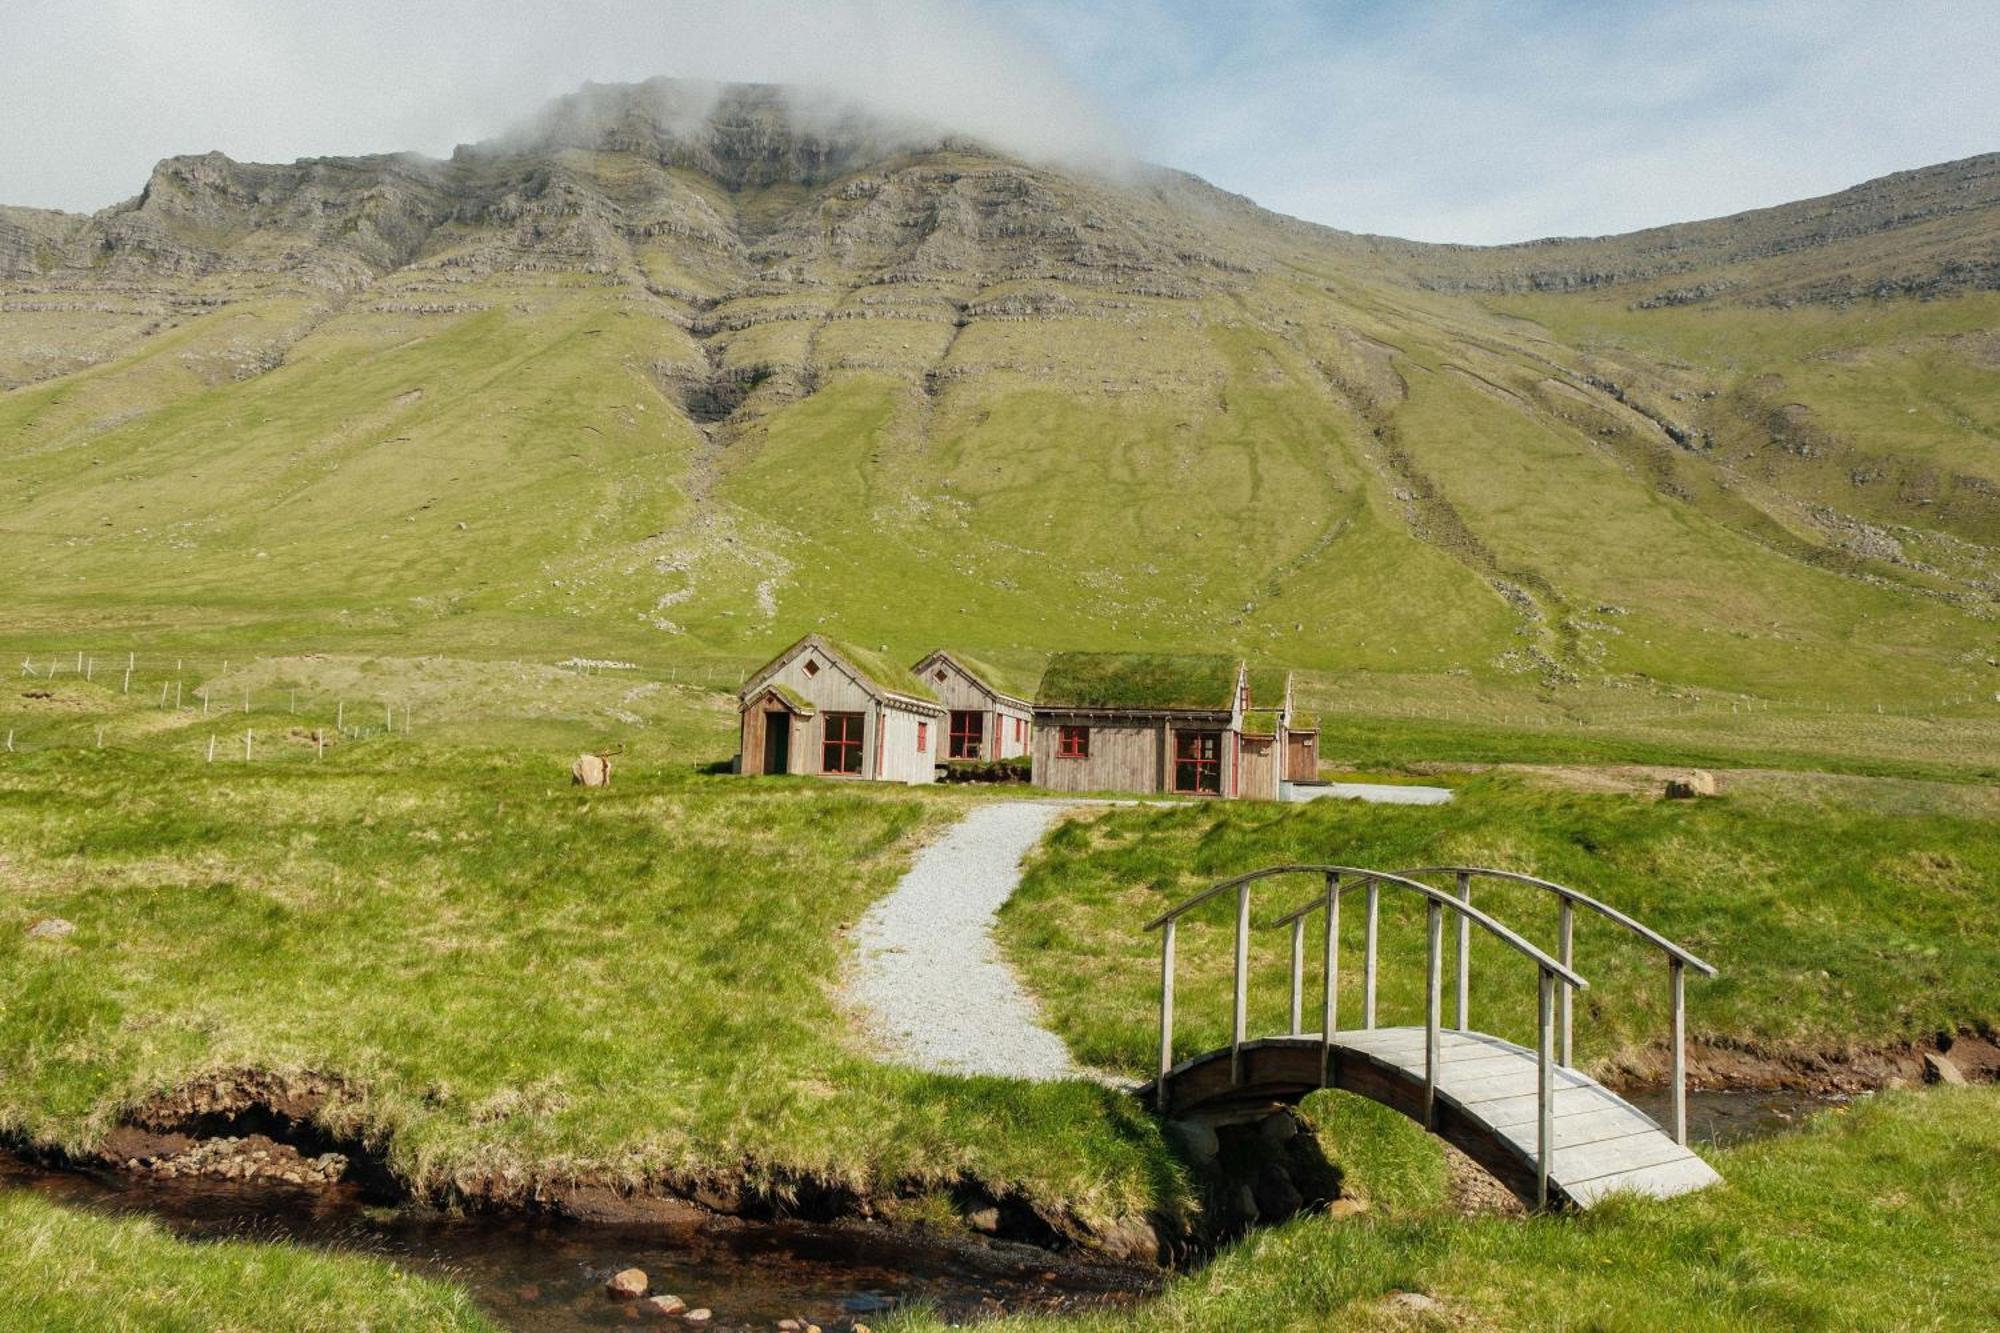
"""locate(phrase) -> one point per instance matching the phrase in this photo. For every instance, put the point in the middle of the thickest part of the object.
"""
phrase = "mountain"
(679, 369)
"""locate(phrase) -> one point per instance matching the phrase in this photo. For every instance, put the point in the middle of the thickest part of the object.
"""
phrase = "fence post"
(1166, 1013)
(1368, 965)
(1298, 973)
(1330, 1020)
(1242, 983)
(1545, 1087)
(1565, 951)
(246, 745)
(1433, 1004)
(1464, 953)
(1677, 972)
(211, 747)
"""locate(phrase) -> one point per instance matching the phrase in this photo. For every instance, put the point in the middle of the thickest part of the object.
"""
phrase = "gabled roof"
(1019, 687)
(1146, 682)
(793, 700)
(871, 668)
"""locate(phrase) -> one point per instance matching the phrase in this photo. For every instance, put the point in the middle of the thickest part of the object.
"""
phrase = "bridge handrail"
(1679, 960)
(1362, 876)
(1563, 891)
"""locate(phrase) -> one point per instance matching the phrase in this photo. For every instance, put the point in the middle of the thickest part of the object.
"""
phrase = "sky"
(1462, 120)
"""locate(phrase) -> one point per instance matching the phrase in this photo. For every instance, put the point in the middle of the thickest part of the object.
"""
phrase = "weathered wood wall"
(1301, 756)
(1260, 768)
(1124, 756)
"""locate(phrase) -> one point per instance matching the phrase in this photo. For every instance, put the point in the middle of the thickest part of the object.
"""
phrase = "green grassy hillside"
(643, 396)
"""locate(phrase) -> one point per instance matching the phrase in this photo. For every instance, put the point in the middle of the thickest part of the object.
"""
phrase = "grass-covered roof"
(1203, 681)
(1260, 722)
(1267, 686)
(878, 669)
(881, 670)
(1006, 680)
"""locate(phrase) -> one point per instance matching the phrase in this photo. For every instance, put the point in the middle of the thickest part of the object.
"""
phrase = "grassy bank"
(511, 983)
(1880, 1217)
(62, 1270)
(1836, 921)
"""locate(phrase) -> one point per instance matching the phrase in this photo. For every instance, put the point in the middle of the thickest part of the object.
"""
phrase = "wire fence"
(271, 706)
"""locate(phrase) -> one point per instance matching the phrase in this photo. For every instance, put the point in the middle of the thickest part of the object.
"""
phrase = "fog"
(93, 92)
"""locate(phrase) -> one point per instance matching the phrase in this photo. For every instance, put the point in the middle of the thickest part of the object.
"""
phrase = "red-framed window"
(923, 738)
(1020, 730)
(841, 750)
(968, 733)
(1073, 742)
(1198, 761)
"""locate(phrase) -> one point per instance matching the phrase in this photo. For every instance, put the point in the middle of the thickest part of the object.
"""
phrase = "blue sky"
(1466, 120)
(1503, 121)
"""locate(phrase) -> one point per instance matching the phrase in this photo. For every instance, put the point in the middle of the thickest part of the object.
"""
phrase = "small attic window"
(938, 675)
(812, 668)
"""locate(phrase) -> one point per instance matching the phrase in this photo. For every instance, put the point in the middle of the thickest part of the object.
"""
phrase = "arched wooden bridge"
(1553, 1135)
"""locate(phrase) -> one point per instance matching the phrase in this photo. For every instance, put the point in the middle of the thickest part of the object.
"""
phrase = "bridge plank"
(1660, 1182)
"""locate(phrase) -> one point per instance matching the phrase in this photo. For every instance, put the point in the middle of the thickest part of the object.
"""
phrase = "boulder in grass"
(51, 928)
(1694, 783)
(590, 770)
(1940, 1069)
(627, 1284)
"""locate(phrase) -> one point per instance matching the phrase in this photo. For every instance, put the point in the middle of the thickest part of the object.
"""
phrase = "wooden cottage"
(1194, 724)
(1140, 722)
(988, 714)
(833, 710)
(1280, 745)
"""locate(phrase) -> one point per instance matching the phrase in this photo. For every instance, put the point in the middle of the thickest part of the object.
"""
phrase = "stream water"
(540, 1273)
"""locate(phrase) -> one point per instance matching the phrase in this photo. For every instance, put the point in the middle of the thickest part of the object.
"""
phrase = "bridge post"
(1166, 1012)
(1298, 974)
(1368, 963)
(1330, 1020)
(1545, 1088)
(1433, 1005)
(1565, 937)
(1242, 983)
(1464, 953)
(1678, 974)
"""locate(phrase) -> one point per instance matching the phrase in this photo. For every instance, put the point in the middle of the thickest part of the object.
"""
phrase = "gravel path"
(929, 975)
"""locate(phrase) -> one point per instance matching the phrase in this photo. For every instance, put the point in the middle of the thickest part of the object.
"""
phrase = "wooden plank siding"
(1006, 723)
(1260, 768)
(1301, 756)
(830, 685)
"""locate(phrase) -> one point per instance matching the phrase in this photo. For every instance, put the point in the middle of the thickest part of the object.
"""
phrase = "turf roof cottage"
(1137, 722)
(1154, 722)
(833, 709)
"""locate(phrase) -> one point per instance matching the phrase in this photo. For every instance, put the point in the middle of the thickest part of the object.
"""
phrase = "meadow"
(1882, 1216)
(1837, 924)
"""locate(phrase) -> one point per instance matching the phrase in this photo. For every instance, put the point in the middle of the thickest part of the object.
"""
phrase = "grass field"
(1839, 918)
(64, 1271)
(515, 983)
(1884, 1216)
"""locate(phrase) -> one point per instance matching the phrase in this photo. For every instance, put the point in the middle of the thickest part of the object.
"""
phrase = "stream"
(544, 1273)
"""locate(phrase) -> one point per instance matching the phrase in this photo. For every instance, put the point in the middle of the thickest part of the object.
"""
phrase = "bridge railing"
(1437, 901)
(1678, 958)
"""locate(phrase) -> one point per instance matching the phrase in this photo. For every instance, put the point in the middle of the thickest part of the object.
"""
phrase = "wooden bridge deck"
(1485, 1104)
